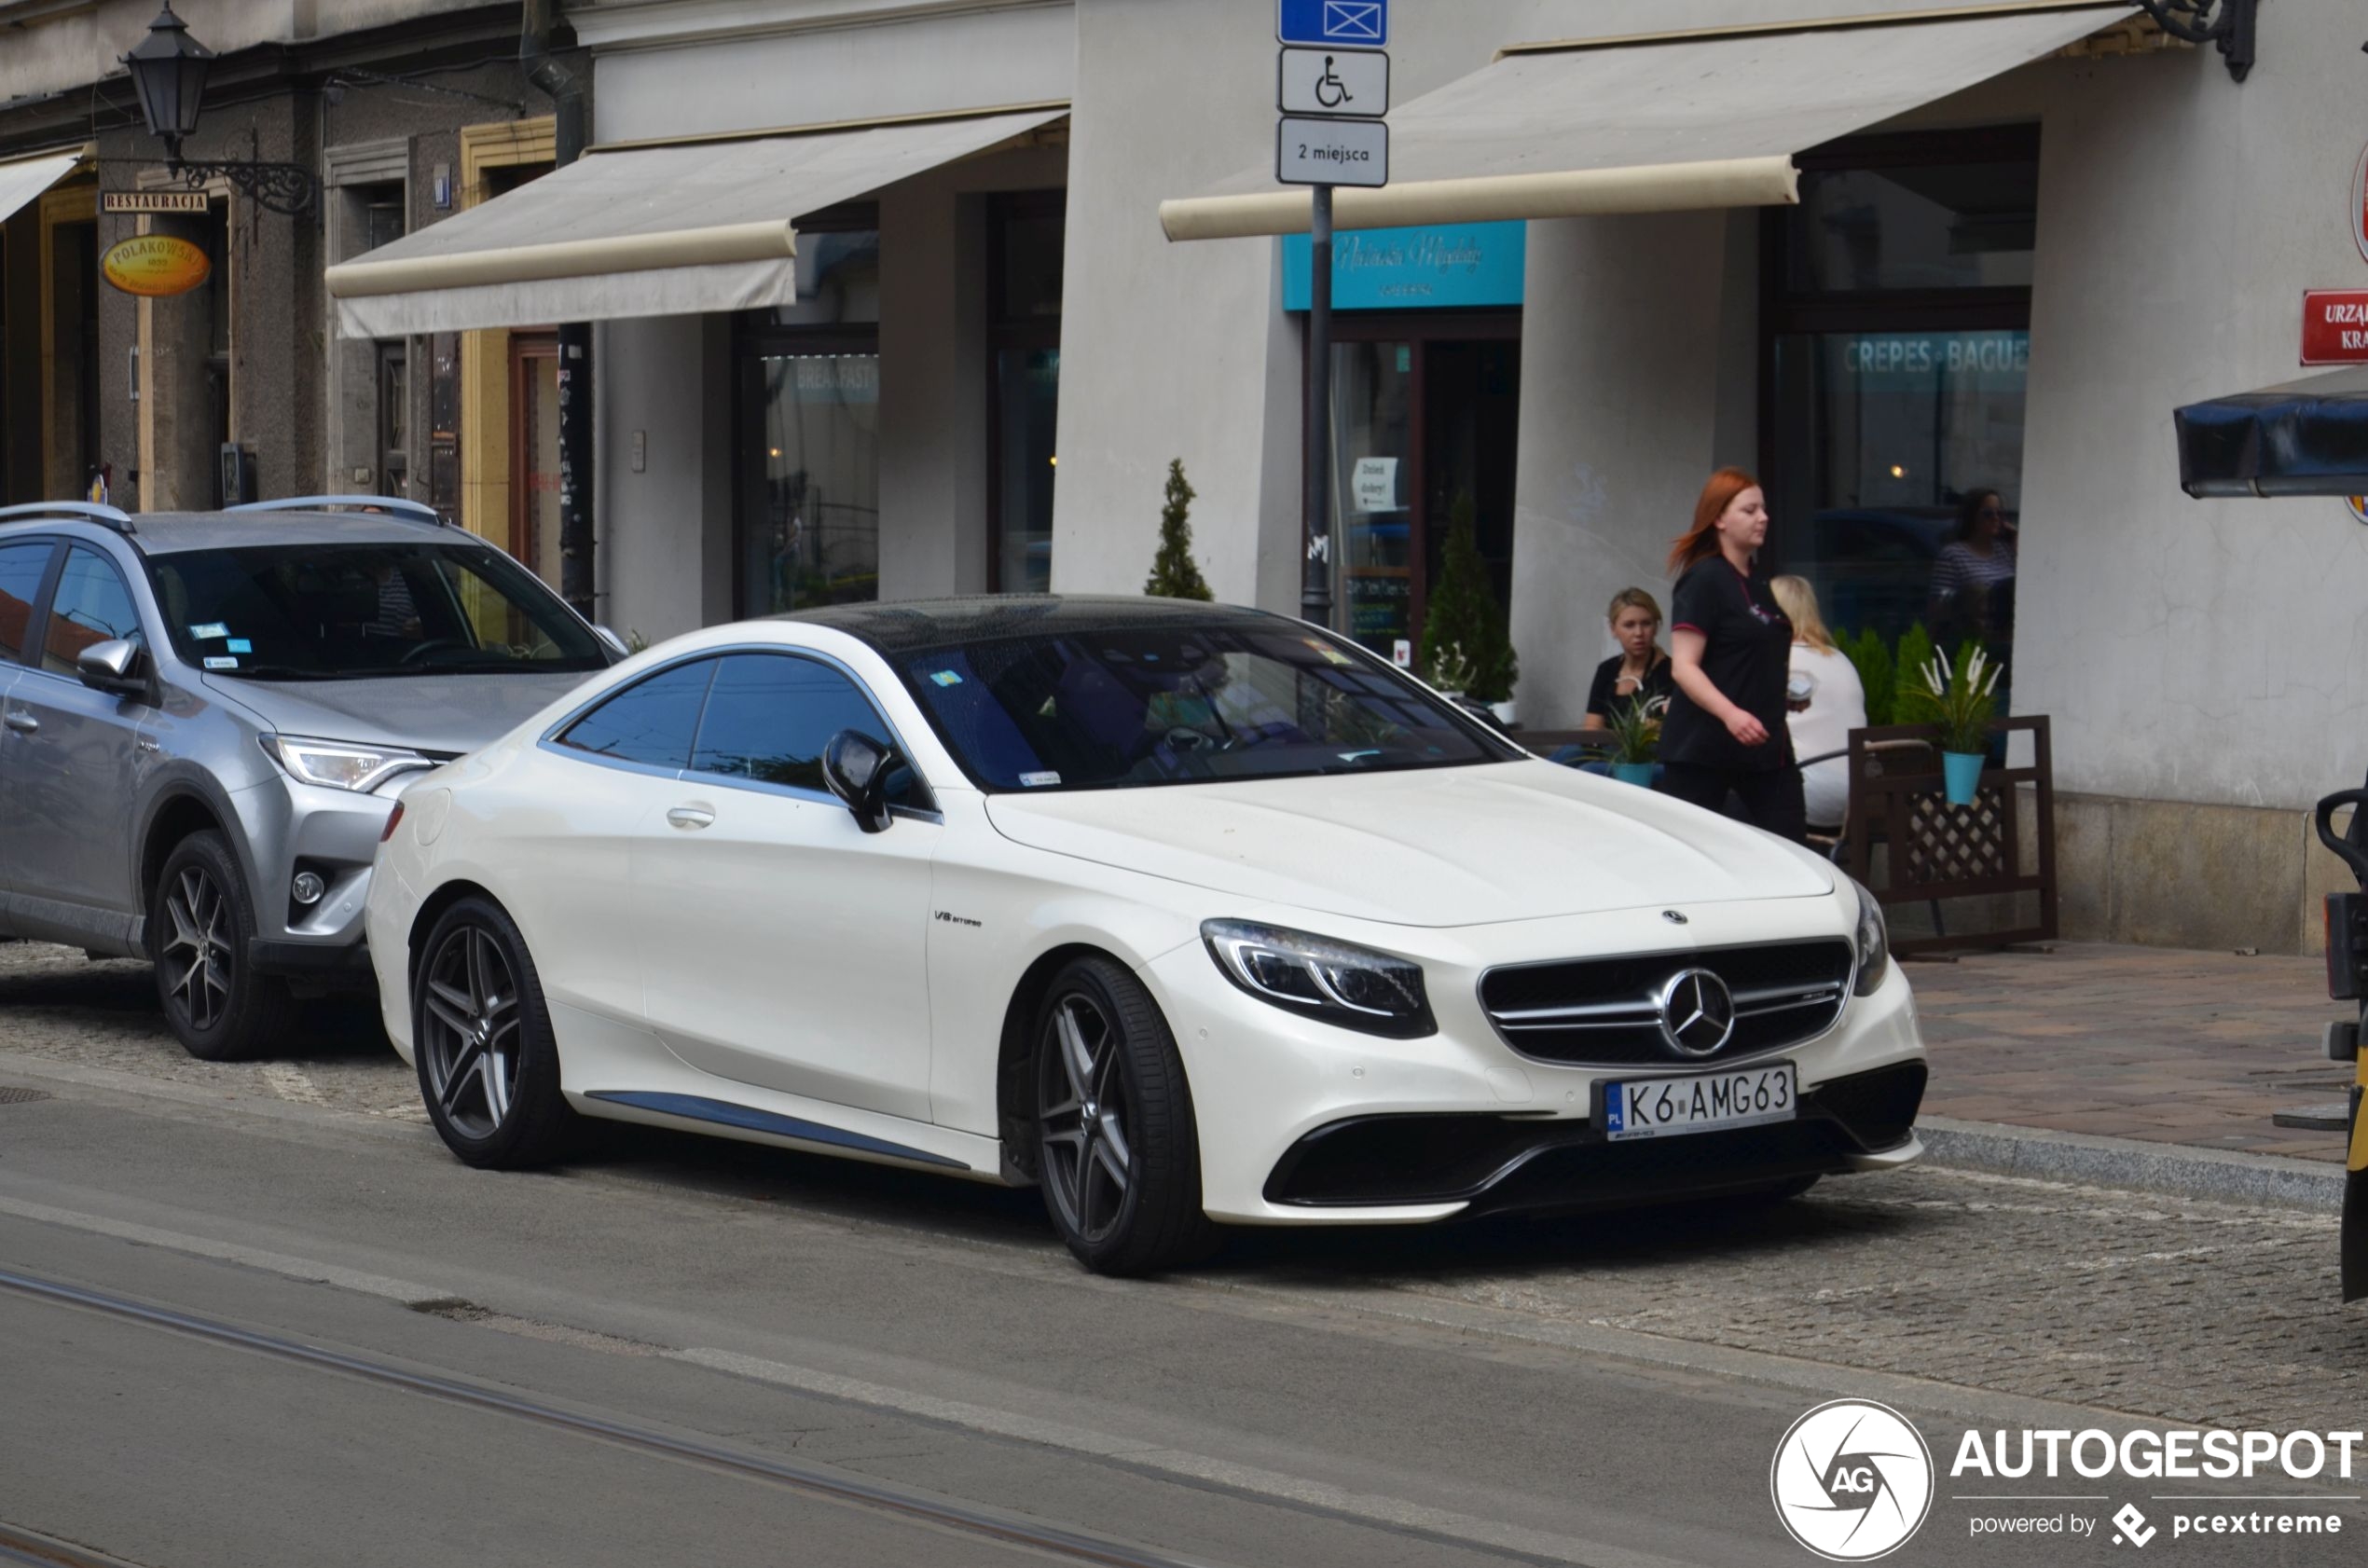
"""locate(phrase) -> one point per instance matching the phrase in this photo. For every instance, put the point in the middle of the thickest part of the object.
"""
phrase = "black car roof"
(916, 625)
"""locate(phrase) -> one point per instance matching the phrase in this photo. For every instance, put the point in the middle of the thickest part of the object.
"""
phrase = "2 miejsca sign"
(1332, 82)
(1331, 152)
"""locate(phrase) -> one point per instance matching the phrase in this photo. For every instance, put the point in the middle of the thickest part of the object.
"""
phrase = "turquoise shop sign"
(1414, 269)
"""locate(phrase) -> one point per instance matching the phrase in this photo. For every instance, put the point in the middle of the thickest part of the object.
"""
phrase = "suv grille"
(1604, 1013)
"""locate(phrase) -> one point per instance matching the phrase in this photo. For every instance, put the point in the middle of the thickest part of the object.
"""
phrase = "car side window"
(650, 723)
(770, 715)
(91, 606)
(20, 569)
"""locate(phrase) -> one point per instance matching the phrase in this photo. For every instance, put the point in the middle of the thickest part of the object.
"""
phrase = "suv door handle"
(689, 816)
(23, 723)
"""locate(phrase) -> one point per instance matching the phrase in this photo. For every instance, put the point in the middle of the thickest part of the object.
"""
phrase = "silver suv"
(208, 716)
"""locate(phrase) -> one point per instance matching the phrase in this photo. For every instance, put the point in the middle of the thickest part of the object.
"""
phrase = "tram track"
(905, 1505)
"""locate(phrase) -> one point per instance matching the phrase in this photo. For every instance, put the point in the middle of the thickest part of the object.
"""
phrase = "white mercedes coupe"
(1186, 913)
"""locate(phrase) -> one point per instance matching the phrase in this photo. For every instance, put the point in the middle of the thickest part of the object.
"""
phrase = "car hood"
(1440, 846)
(449, 714)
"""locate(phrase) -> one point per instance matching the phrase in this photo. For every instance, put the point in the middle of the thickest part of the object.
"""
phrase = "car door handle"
(23, 723)
(689, 816)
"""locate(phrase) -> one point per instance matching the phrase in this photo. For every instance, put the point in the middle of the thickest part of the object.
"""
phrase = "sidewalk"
(2154, 1045)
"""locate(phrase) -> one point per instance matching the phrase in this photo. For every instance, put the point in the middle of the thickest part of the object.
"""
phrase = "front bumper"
(1485, 1127)
(290, 826)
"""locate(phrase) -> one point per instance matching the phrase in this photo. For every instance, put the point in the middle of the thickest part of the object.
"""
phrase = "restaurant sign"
(1414, 269)
(2334, 327)
(155, 266)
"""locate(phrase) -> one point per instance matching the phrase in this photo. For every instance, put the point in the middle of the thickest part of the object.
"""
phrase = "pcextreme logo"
(1853, 1481)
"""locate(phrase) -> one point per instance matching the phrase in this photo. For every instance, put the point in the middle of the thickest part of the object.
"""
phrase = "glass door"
(810, 528)
(1374, 485)
(534, 453)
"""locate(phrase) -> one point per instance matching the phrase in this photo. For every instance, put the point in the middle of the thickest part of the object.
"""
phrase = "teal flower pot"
(1961, 776)
(1633, 773)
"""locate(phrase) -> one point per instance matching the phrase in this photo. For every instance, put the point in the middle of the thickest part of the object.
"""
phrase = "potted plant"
(1636, 739)
(1464, 627)
(1174, 572)
(1959, 702)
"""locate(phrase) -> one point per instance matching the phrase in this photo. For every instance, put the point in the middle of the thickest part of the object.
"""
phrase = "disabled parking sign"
(1358, 24)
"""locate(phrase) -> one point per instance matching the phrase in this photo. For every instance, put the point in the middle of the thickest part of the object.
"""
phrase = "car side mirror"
(858, 768)
(116, 666)
(613, 643)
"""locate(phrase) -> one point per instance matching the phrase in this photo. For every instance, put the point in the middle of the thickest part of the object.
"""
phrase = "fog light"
(308, 887)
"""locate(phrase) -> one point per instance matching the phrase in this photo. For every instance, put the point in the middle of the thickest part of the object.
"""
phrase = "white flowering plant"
(1959, 699)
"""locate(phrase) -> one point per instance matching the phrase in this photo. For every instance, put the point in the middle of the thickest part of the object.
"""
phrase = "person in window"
(1823, 701)
(1729, 653)
(1974, 579)
(398, 612)
(1639, 670)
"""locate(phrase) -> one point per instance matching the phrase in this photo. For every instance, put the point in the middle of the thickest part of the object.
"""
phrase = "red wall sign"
(2334, 327)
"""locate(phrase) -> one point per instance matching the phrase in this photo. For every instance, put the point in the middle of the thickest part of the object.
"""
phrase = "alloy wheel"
(470, 1034)
(1080, 1099)
(200, 952)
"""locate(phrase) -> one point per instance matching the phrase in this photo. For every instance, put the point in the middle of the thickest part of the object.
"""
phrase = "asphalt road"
(255, 1315)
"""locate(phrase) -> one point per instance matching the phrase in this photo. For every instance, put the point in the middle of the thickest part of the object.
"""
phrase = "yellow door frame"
(59, 205)
(485, 354)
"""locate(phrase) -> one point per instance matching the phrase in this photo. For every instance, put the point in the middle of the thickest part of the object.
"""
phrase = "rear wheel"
(481, 1038)
(1118, 1150)
(201, 922)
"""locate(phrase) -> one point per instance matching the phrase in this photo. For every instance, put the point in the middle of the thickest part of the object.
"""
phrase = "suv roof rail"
(59, 511)
(409, 510)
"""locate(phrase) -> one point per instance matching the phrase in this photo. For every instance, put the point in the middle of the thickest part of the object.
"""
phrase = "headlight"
(341, 764)
(1353, 987)
(1874, 941)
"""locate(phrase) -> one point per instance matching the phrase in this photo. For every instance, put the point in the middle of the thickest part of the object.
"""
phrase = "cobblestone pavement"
(2180, 1311)
(2134, 1042)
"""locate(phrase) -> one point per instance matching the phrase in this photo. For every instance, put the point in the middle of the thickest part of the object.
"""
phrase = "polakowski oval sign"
(155, 266)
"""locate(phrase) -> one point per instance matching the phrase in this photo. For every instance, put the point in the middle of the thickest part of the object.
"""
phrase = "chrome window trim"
(549, 740)
(1849, 994)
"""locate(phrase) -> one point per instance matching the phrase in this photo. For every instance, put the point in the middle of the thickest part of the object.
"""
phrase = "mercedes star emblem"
(1697, 1013)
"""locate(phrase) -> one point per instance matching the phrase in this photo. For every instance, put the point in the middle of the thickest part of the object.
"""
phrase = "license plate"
(1661, 1107)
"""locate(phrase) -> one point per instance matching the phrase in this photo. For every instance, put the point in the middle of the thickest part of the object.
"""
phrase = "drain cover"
(9, 1096)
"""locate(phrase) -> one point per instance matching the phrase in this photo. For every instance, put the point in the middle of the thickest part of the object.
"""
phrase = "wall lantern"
(2228, 23)
(168, 72)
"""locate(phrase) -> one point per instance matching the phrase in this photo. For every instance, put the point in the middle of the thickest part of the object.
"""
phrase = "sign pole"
(1315, 581)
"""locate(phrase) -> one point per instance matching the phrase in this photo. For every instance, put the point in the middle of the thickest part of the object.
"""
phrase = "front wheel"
(1118, 1150)
(201, 922)
(481, 1038)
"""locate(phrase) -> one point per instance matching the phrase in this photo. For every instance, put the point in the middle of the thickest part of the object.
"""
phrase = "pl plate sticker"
(217, 662)
(1853, 1481)
(1036, 780)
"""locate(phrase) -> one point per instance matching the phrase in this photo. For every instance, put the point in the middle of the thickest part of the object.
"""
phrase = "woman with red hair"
(1730, 646)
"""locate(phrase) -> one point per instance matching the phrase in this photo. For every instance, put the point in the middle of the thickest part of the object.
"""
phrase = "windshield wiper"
(281, 672)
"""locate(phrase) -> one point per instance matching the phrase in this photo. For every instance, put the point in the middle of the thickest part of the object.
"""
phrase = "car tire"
(487, 1062)
(200, 924)
(1118, 1150)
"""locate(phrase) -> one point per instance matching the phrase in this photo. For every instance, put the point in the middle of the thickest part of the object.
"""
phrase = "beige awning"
(25, 179)
(1664, 122)
(669, 230)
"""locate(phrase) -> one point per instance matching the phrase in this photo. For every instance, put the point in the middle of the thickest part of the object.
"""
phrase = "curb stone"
(2172, 1170)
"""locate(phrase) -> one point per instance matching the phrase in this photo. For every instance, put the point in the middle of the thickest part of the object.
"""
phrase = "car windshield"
(347, 612)
(1118, 710)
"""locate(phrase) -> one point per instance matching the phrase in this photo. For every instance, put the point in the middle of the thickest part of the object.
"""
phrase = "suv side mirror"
(116, 666)
(857, 767)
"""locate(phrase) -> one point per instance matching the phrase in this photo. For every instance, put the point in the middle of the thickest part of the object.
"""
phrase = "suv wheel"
(201, 920)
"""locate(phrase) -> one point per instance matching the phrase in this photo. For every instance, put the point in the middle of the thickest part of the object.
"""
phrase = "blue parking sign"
(1361, 24)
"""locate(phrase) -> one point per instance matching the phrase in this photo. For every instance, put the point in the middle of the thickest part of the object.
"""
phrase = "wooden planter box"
(1936, 850)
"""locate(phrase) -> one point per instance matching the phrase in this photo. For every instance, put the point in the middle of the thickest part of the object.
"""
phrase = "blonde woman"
(1823, 701)
(1640, 668)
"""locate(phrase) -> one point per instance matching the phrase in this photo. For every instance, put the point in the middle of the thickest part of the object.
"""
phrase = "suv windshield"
(1126, 709)
(335, 612)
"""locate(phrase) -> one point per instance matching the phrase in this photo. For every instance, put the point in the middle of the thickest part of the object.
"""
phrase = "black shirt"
(1748, 652)
(1601, 696)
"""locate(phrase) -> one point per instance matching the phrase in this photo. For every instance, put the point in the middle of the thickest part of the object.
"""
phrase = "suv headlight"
(1874, 941)
(339, 765)
(1335, 981)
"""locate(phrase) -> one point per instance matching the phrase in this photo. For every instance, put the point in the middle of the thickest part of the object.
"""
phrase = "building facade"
(884, 308)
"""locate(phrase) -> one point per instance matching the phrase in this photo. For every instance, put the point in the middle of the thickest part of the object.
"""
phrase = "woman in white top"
(1825, 701)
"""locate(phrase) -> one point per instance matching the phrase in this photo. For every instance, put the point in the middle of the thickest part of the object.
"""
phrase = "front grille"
(1603, 1012)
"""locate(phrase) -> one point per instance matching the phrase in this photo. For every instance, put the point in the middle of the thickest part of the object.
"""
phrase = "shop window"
(808, 377)
(1025, 234)
(1897, 316)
